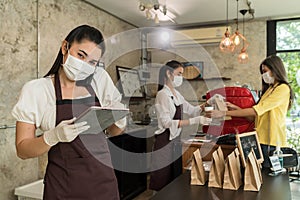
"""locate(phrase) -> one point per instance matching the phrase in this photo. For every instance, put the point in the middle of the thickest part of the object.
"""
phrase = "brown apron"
(74, 169)
(161, 177)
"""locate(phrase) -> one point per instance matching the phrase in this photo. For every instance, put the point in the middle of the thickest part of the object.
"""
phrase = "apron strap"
(57, 87)
(58, 94)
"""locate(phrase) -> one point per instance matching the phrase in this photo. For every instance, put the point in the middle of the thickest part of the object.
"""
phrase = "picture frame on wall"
(246, 142)
(130, 82)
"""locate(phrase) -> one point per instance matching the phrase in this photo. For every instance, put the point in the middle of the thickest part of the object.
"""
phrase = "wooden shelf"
(223, 78)
(211, 78)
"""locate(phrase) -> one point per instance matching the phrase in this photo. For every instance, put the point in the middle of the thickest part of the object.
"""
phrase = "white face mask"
(76, 69)
(177, 81)
(267, 78)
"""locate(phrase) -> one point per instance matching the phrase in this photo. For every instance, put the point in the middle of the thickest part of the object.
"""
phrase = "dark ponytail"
(163, 77)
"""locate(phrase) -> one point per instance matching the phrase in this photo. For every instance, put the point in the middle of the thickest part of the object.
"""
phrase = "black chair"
(290, 162)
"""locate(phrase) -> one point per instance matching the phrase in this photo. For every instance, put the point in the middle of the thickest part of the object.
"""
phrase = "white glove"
(200, 120)
(65, 131)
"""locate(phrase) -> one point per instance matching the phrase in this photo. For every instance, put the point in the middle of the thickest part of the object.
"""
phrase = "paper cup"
(208, 108)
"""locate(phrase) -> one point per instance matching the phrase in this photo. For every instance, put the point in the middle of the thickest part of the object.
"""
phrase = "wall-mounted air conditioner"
(198, 36)
(164, 38)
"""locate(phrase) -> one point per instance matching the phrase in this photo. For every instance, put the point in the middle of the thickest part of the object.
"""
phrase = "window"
(288, 35)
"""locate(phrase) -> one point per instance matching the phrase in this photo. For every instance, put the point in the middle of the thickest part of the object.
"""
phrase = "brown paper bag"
(232, 174)
(258, 165)
(198, 175)
(216, 173)
(238, 166)
(221, 155)
(252, 178)
(237, 155)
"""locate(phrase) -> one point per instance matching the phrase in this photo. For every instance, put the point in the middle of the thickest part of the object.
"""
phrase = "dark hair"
(169, 66)
(275, 64)
(80, 33)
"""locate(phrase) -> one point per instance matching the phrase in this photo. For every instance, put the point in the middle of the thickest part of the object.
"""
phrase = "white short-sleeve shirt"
(37, 101)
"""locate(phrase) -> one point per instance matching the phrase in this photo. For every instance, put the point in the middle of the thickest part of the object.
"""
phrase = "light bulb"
(165, 36)
(237, 40)
(156, 20)
(243, 57)
(226, 44)
(156, 6)
(164, 9)
(148, 14)
(142, 7)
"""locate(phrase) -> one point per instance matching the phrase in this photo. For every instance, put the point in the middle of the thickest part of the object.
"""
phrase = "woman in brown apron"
(164, 176)
(170, 104)
(72, 167)
(79, 166)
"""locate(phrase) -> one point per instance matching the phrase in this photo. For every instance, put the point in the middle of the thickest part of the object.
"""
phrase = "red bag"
(239, 96)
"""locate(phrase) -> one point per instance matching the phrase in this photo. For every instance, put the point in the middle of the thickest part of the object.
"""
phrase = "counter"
(273, 187)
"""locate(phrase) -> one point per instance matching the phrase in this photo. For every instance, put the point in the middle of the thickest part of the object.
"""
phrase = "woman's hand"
(231, 106)
(65, 131)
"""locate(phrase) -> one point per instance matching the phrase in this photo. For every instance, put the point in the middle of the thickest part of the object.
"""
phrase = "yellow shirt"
(271, 112)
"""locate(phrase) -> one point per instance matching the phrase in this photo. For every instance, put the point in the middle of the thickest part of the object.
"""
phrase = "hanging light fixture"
(154, 10)
(237, 37)
(226, 44)
(243, 56)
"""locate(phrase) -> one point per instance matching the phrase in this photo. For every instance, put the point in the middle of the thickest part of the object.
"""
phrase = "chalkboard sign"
(246, 142)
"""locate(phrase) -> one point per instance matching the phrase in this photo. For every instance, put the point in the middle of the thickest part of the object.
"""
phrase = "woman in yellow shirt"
(270, 112)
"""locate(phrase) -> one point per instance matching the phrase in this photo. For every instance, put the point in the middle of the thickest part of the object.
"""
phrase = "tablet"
(100, 118)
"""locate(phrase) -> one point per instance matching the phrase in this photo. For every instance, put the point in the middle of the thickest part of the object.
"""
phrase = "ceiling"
(199, 12)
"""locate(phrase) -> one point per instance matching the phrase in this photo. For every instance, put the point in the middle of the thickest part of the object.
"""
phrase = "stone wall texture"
(31, 32)
(217, 63)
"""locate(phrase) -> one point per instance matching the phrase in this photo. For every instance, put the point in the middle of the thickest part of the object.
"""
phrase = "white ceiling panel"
(203, 12)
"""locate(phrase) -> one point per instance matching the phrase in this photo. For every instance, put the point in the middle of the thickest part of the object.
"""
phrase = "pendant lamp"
(226, 44)
(237, 37)
(243, 57)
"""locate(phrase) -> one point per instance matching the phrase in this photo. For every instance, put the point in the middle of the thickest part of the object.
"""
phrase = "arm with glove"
(195, 120)
(65, 131)
(29, 146)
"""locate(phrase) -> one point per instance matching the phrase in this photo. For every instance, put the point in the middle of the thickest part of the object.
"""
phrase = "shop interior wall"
(32, 32)
(217, 63)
